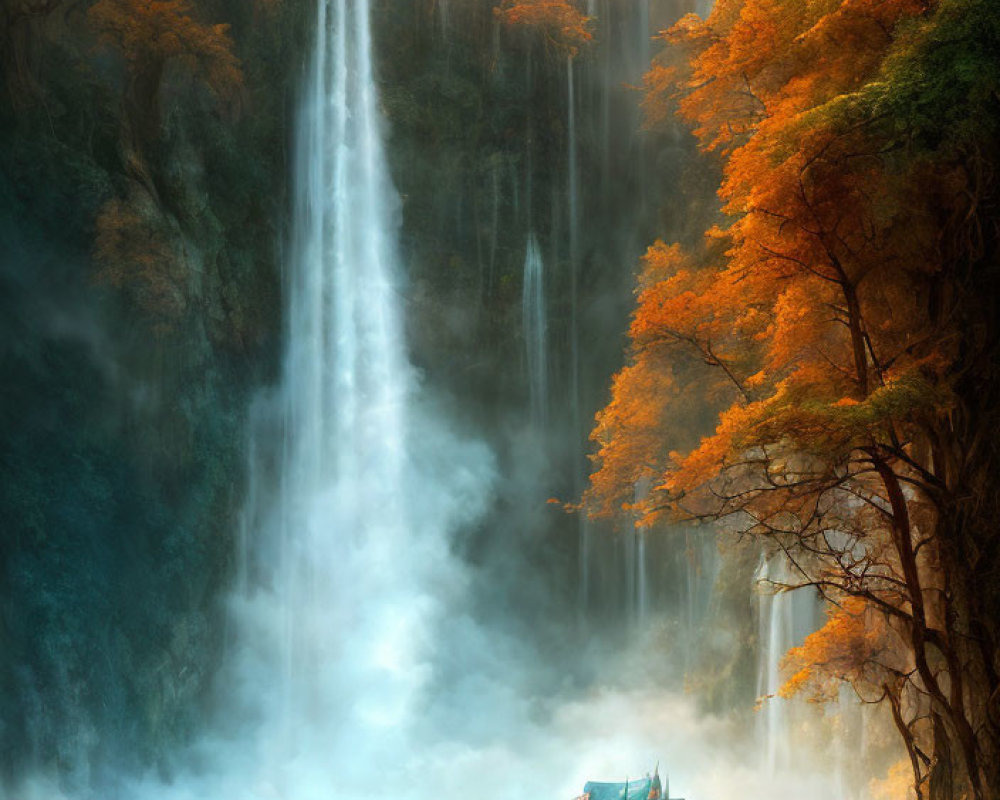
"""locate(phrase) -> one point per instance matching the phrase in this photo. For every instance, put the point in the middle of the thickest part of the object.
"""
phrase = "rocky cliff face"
(143, 214)
(141, 306)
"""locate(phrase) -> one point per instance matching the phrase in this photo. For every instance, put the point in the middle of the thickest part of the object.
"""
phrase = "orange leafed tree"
(851, 646)
(832, 325)
(565, 28)
(152, 33)
(134, 247)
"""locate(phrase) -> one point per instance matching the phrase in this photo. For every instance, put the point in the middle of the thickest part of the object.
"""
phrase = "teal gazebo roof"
(639, 789)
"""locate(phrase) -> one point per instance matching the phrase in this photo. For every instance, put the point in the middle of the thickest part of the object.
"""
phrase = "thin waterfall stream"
(535, 324)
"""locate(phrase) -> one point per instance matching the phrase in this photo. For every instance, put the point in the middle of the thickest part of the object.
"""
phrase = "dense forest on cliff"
(795, 204)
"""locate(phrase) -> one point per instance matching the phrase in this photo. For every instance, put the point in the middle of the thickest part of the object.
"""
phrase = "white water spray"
(358, 570)
(347, 390)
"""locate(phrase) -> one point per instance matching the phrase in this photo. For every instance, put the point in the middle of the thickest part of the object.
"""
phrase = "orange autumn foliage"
(751, 62)
(812, 303)
(565, 28)
(822, 331)
(896, 785)
(136, 252)
(846, 648)
(660, 391)
(137, 247)
(149, 33)
(629, 432)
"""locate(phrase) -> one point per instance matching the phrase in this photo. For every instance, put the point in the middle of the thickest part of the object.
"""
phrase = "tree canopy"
(158, 30)
(842, 324)
(564, 27)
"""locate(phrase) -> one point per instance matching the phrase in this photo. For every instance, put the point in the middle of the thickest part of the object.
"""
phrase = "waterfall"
(494, 222)
(642, 580)
(645, 33)
(535, 327)
(573, 190)
(629, 546)
(573, 211)
(353, 569)
(690, 586)
(444, 16)
(347, 385)
(846, 715)
(774, 640)
(640, 603)
(784, 620)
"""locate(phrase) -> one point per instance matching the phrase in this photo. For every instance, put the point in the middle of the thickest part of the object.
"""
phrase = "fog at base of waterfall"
(497, 742)
(357, 666)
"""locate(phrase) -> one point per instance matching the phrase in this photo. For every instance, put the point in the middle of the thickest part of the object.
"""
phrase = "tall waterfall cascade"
(354, 570)
(348, 382)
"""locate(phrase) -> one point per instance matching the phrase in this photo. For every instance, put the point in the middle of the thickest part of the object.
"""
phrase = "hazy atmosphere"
(575, 399)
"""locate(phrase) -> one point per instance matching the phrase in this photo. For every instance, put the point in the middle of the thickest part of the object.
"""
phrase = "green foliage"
(940, 86)
(834, 429)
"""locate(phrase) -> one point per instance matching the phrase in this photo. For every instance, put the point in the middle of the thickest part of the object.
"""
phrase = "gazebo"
(647, 788)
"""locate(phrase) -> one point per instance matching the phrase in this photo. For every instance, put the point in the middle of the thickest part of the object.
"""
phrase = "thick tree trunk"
(952, 704)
